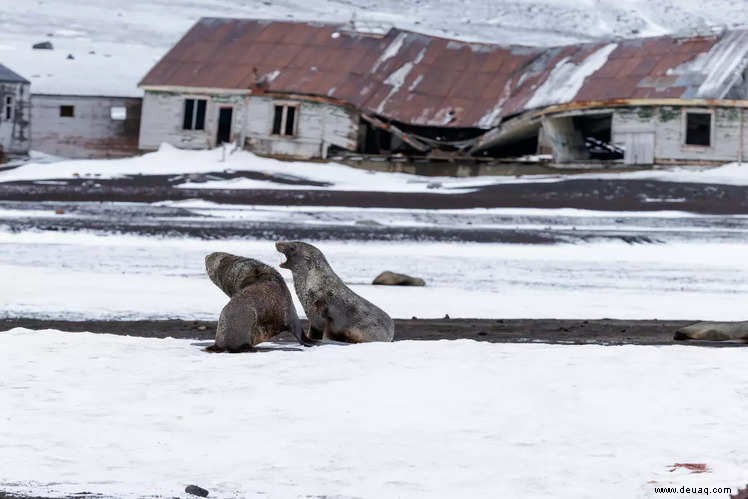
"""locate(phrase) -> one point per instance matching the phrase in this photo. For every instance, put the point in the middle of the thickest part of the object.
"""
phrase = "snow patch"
(391, 51)
(138, 277)
(397, 78)
(169, 160)
(566, 78)
(720, 67)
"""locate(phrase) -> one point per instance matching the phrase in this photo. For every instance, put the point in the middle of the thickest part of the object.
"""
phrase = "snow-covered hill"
(113, 46)
(158, 23)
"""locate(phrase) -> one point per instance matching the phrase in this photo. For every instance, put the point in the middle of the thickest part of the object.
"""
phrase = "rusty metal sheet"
(424, 80)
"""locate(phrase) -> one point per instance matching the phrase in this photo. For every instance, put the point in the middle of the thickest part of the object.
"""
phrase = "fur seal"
(334, 311)
(713, 331)
(260, 307)
(388, 278)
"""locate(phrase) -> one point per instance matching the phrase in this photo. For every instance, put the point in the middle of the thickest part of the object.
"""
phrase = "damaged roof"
(424, 80)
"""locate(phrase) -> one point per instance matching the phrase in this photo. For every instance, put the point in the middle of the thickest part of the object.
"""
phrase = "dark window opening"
(200, 115)
(8, 107)
(290, 113)
(596, 130)
(67, 111)
(284, 121)
(194, 114)
(189, 112)
(698, 129)
(277, 120)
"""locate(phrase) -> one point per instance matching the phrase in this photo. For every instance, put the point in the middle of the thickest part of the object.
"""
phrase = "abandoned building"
(85, 126)
(310, 90)
(82, 105)
(14, 114)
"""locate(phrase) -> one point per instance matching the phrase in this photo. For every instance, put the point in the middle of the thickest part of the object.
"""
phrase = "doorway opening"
(225, 115)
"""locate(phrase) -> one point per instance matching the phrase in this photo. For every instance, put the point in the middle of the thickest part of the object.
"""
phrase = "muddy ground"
(599, 332)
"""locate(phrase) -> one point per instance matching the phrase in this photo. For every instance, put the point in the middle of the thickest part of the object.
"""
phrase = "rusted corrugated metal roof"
(424, 80)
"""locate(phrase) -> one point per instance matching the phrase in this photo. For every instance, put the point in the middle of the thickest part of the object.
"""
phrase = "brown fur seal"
(714, 331)
(260, 308)
(334, 311)
(388, 278)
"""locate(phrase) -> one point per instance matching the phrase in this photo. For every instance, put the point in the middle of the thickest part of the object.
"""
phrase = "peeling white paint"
(567, 78)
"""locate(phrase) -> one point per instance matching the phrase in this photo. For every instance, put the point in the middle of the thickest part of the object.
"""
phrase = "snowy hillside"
(115, 46)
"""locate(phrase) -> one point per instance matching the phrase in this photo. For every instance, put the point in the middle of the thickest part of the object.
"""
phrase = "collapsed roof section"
(409, 78)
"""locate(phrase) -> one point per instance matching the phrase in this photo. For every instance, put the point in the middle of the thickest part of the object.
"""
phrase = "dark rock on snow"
(196, 491)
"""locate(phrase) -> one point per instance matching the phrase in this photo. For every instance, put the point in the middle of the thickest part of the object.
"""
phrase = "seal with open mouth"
(260, 307)
(334, 311)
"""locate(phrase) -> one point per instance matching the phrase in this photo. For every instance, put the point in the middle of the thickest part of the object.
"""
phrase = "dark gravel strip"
(600, 332)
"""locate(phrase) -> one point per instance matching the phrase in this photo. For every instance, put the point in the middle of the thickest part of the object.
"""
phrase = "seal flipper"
(299, 333)
(235, 325)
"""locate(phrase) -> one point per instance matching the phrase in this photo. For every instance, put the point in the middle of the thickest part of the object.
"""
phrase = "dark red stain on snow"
(692, 467)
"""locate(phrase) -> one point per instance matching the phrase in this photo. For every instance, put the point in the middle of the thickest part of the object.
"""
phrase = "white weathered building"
(85, 126)
(83, 104)
(303, 89)
(279, 126)
(15, 129)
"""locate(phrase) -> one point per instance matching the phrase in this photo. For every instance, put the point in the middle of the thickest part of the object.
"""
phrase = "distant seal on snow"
(334, 311)
(713, 331)
(388, 278)
(260, 307)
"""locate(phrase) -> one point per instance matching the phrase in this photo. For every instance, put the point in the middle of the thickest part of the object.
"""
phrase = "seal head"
(232, 273)
(298, 254)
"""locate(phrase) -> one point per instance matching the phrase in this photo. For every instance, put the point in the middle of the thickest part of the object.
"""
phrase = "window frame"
(198, 116)
(284, 119)
(708, 112)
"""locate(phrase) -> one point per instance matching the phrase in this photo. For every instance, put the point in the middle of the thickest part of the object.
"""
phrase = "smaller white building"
(15, 126)
(85, 102)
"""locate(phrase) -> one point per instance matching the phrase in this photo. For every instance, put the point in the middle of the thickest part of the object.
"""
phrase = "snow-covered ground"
(81, 275)
(132, 417)
(169, 160)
